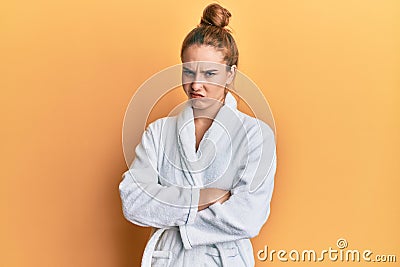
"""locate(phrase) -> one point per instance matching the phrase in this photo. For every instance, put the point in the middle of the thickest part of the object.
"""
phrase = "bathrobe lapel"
(186, 141)
(219, 134)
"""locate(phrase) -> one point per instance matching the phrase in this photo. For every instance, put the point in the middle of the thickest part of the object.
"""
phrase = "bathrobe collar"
(192, 160)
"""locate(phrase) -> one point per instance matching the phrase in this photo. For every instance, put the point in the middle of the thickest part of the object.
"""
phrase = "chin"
(206, 108)
(201, 103)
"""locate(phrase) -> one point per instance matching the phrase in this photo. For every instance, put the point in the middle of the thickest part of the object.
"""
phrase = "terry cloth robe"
(162, 186)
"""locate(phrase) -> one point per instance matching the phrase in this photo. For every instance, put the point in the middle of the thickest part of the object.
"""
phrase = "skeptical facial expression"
(204, 75)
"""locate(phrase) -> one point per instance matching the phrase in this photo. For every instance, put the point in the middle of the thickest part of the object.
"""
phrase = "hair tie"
(209, 23)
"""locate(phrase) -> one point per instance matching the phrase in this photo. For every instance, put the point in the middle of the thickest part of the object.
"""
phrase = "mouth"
(193, 95)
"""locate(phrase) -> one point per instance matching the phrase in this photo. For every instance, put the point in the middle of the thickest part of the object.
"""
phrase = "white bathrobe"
(162, 186)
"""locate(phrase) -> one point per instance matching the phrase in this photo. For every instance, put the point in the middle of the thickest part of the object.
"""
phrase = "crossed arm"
(209, 196)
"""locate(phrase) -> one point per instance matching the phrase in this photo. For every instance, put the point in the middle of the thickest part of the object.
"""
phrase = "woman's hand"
(209, 196)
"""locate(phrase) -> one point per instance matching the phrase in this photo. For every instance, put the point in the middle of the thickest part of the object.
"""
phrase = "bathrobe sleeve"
(247, 209)
(145, 202)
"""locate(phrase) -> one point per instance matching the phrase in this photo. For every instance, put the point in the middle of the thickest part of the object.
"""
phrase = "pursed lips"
(194, 95)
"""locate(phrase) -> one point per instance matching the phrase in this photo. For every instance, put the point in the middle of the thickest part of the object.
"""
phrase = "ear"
(231, 74)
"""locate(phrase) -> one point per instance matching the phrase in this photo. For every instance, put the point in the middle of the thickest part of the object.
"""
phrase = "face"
(204, 75)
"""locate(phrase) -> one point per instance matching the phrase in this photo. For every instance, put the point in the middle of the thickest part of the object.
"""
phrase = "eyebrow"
(211, 70)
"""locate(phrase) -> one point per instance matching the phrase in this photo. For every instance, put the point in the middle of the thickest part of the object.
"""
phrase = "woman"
(203, 179)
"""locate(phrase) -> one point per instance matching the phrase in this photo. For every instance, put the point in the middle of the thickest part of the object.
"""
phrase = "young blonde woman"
(191, 178)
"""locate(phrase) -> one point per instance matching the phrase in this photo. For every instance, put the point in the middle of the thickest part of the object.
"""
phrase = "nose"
(196, 86)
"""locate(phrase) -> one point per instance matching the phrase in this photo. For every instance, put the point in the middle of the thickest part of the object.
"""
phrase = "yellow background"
(329, 69)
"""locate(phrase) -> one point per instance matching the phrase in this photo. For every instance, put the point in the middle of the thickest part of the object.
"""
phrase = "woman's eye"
(188, 72)
(210, 74)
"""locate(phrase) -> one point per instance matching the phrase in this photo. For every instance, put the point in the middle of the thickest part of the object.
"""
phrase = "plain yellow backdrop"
(329, 69)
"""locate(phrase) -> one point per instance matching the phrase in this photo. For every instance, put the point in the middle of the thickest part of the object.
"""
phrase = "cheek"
(186, 80)
(186, 87)
(215, 90)
(220, 80)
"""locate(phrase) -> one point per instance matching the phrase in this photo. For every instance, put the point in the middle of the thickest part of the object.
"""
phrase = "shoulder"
(155, 130)
(256, 128)
(161, 124)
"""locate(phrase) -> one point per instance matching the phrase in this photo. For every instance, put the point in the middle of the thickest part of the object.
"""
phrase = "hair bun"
(215, 15)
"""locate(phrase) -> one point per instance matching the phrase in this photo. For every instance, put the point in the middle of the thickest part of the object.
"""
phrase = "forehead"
(202, 53)
(203, 66)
